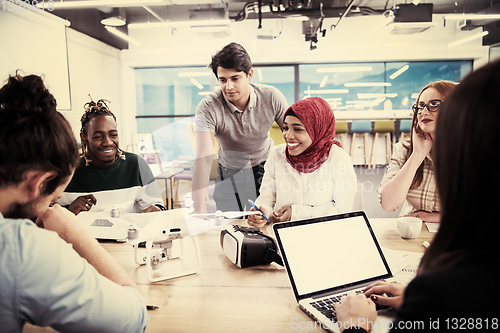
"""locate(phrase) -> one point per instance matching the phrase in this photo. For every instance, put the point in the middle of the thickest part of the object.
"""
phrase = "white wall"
(96, 69)
(34, 43)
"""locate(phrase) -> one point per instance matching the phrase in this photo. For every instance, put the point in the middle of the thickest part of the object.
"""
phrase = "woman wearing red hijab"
(310, 174)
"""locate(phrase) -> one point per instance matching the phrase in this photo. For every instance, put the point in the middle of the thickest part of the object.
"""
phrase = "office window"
(375, 86)
(280, 77)
(171, 92)
(167, 97)
(166, 102)
(344, 86)
(408, 78)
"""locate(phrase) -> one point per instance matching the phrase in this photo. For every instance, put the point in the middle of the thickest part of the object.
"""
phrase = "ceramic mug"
(409, 227)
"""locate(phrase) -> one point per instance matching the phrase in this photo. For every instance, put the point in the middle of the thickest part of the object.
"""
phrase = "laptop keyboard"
(325, 305)
(102, 223)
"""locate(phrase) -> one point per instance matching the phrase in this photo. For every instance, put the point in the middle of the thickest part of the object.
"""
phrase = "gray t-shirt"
(243, 137)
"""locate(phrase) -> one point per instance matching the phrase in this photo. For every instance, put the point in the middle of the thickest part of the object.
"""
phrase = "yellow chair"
(276, 134)
(341, 130)
(385, 128)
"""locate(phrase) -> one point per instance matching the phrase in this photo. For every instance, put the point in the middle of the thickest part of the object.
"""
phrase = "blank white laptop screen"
(332, 253)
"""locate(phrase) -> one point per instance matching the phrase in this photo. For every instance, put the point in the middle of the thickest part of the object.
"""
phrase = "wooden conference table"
(224, 298)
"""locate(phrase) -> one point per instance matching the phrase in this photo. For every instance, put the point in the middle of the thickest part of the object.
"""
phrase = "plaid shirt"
(424, 197)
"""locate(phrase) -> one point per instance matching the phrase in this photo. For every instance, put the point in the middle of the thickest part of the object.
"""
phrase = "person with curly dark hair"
(53, 273)
(117, 178)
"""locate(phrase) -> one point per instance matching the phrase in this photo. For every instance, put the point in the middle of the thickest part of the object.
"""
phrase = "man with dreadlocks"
(108, 177)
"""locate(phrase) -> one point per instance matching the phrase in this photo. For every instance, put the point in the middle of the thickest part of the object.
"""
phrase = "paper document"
(432, 227)
(403, 264)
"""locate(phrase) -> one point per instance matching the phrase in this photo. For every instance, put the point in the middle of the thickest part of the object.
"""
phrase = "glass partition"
(408, 78)
(375, 86)
(345, 86)
(167, 97)
(280, 77)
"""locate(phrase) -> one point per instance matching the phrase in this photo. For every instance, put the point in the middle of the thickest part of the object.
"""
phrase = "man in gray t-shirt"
(239, 115)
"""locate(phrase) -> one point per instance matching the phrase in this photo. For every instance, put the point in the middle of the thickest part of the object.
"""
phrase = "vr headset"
(248, 246)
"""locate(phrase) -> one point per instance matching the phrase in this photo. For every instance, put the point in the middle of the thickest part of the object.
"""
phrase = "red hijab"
(318, 119)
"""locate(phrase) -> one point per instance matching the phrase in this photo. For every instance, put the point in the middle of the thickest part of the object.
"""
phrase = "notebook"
(327, 257)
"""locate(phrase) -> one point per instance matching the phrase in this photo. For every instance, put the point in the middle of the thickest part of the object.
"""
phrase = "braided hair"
(92, 110)
(33, 135)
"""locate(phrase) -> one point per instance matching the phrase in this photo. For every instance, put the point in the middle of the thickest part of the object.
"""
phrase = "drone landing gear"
(158, 253)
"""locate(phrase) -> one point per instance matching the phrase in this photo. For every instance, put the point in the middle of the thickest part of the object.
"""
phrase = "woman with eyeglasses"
(464, 252)
(409, 179)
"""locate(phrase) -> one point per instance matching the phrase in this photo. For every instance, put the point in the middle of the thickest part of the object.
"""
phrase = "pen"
(152, 307)
(255, 206)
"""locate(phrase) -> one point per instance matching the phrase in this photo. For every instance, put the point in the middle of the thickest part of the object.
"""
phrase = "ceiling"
(86, 15)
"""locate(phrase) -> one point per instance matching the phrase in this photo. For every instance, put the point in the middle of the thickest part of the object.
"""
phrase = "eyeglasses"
(432, 106)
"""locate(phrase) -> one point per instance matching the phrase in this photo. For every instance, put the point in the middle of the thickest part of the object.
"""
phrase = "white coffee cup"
(409, 227)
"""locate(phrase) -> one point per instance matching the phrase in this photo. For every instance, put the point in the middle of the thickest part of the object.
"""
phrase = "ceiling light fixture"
(399, 72)
(259, 73)
(298, 17)
(344, 69)
(120, 34)
(323, 82)
(367, 84)
(190, 74)
(468, 39)
(471, 17)
(374, 95)
(114, 21)
(196, 83)
(189, 23)
(327, 91)
(97, 3)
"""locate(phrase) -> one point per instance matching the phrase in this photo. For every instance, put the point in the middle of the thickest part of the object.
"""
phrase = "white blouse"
(327, 191)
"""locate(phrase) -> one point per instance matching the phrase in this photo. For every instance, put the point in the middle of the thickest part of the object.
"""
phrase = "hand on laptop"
(384, 293)
(355, 310)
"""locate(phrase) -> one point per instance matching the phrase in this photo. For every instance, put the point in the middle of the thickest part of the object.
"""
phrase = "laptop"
(102, 226)
(327, 257)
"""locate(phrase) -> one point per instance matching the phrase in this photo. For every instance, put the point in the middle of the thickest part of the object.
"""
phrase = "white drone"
(159, 235)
